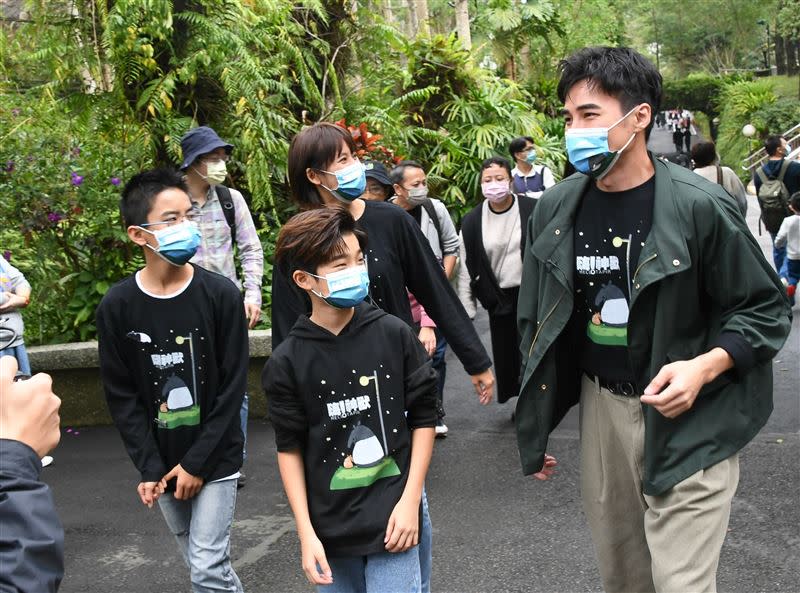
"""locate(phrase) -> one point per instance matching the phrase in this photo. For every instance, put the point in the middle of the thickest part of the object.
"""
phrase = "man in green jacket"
(645, 297)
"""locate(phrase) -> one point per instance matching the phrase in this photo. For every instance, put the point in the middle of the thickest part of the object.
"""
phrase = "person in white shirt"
(528, 178)
(789, 237)
(706, 164)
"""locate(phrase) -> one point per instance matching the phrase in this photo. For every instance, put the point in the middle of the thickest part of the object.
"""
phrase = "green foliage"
(777, 117)
(698, 92)
(739, 102)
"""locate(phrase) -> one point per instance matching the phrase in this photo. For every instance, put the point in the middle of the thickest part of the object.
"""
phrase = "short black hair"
(517, 144)
(496, 160)
(704, 154)
(316, 148)
(315, 237)
(398, 173)
(794, 201)
(618, 72)
(142, 189)
(772, 144)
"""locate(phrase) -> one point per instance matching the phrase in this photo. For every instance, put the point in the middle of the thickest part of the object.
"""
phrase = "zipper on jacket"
(649, 259)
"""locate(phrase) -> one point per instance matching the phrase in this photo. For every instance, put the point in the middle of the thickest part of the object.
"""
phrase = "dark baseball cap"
(199, 141)
(377, 171)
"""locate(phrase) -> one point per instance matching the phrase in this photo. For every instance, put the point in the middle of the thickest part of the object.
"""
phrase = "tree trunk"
(790, 45)
(780, 54)
(421, 14)
(388, 14)
(462, 23)
(410, 22)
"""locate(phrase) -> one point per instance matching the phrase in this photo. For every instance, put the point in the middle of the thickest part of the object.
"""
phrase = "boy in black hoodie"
(173, 359)
(352, 396)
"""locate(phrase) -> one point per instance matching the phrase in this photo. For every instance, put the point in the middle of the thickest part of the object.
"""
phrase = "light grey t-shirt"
(11, 324)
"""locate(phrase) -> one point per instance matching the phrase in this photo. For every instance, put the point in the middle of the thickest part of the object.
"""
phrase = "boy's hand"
(484, 386)
(428, 338)
(188, 485)
(315, 564)
(548, 469)
(150, 491)
(402, 532)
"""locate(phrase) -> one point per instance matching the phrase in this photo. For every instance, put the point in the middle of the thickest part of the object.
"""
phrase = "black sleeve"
(287, 305)
(427, 282)
(31, 536)
(286, 410)
(421, 382)
(128, 412)
(233, 358)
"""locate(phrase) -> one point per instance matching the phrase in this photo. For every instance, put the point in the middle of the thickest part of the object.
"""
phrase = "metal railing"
(757, 158)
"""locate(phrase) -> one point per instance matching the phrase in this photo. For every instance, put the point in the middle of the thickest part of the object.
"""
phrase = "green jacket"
(701, 281)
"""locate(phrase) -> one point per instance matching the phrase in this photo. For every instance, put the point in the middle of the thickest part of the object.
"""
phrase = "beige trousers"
(665, 544)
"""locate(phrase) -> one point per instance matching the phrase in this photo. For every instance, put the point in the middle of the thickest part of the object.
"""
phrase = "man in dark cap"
(224, 220)
(379, 186)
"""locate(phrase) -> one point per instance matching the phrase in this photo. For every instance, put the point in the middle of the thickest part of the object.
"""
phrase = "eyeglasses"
(193, 216)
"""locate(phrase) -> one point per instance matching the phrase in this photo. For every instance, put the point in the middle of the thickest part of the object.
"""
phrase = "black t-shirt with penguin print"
(610, 231)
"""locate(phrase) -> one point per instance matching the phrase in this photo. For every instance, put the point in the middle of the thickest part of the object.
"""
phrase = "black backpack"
(228, 209)
(773, 197)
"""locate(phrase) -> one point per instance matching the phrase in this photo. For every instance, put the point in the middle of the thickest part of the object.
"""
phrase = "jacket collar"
(665, 251)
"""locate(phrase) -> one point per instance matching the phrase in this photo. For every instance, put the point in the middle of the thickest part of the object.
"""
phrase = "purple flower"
(54, 217)
(9, 166)
(16, 111)
(7, 255)
(76, 179)
(115, 181)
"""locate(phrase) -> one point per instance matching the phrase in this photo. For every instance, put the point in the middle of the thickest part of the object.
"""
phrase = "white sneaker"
(441, 429)
(47, 460)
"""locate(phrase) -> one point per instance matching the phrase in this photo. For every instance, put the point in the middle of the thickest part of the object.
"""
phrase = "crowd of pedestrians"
(632, 287)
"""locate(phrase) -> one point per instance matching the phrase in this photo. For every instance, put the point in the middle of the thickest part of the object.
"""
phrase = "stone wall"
(76, 378)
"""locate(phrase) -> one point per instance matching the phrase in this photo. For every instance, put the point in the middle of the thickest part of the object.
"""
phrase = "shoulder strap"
(228, 209)
(761, 174)
(719, 175)
(431, 210)
(784, 167)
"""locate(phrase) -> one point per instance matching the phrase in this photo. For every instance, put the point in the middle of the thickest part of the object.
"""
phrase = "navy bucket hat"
(377, 171)
(199, 141)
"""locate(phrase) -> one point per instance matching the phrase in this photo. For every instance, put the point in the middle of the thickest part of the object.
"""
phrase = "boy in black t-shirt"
(352, 396)
(173, 359)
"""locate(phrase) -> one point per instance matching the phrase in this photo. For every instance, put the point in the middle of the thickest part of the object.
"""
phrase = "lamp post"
(748, 131)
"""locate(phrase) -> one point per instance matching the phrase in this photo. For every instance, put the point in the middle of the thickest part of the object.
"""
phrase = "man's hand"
(150, 491)
(28, 409)
(188, 485)
(548, 469)
(402, 531)
(253, 314)
(315, 563)
(674, 389)
(428, 338)
(484, 386)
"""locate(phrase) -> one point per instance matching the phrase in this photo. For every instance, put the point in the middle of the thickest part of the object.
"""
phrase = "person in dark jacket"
(324, 172)
(643, 296)
(31, 535)
(492, 241)
(778, 150)
(352, 397)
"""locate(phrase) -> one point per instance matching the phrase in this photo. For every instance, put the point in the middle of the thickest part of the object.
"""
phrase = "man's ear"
(396, 187)
(303, 279)
(137, 235)
(644, 115)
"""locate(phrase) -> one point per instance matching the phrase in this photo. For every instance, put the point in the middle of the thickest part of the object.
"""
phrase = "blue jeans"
(425, 546)
(19, 352)
(383, 572)
(202, 528)
(793, 275)
(779, 259)
(243, 413)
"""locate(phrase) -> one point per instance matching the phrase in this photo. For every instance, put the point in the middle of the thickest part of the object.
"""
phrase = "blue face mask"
(588, 151)
(530, 158)
(178, 243)
(350, 182)
(346, 288)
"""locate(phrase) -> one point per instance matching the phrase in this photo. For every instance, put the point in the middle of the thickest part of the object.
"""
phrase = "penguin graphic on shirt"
(609, 325)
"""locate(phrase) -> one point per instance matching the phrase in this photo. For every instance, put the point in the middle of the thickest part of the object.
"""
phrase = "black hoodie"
(327, 395)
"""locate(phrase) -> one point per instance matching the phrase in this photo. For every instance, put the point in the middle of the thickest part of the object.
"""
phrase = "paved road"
(494, 529)
(660, 141)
